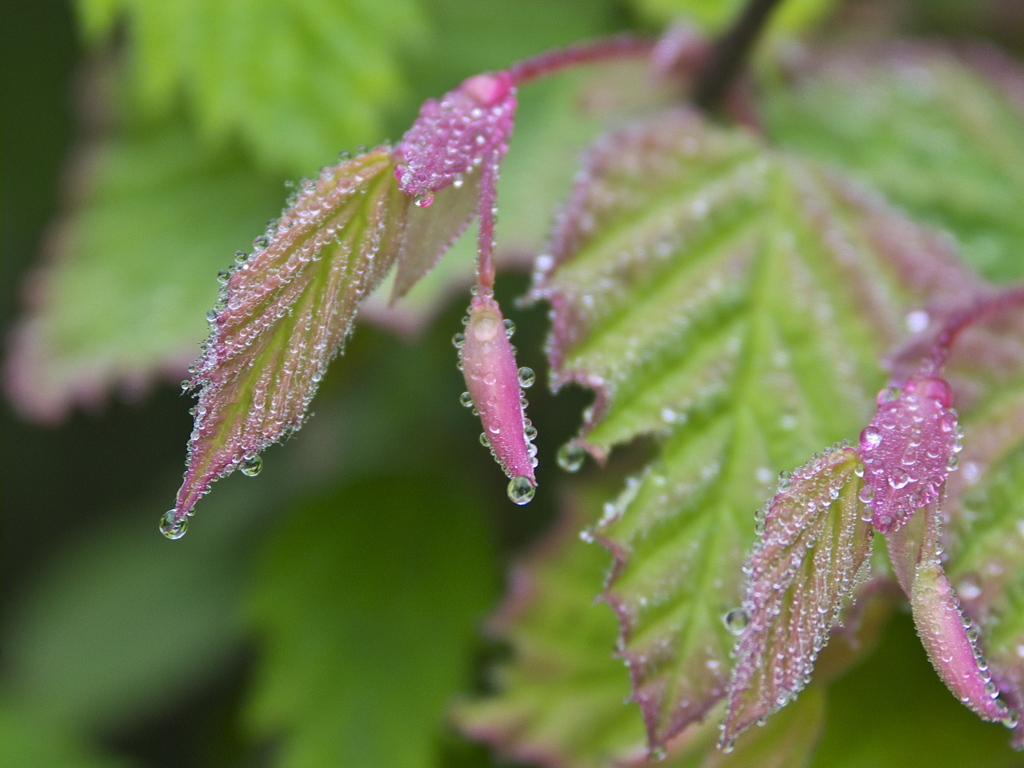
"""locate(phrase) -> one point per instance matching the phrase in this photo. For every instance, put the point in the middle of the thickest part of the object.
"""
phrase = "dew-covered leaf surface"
(984, 536)
(131, 270)
(954, 157)
(295, 81)
(285, 311)
(734, 303)
(802, 570)
(367, 613)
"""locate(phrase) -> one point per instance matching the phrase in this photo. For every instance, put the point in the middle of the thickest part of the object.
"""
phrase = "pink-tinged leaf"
(731, 303)
(495, 391)
(284, 312)
(812, 551)
(430, 232)
(909, 449)
(948, 635)
(455, 135)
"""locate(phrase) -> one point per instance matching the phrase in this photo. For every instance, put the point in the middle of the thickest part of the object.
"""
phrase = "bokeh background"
(325, 612)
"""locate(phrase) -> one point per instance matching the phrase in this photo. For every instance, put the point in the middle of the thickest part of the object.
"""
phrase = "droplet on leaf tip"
(521, 490)
(170, 527)
(424, 200)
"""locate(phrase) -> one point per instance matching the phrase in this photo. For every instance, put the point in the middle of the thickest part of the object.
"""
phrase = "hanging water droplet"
(251, 466)
(459, 340)
(173, 529)
(483, 439)
(570, 457)
(521, 490)
(530, 432)
(736, 621)
(510, 328)
(526, 377)
(466, 399)
(424, 200)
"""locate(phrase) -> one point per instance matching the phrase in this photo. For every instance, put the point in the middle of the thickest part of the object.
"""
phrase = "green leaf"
(132, 270)
(941, 134)
(367, 604)
(562, 698)
(40, 743)
(733, 303)
(285, 311)
(296, 81)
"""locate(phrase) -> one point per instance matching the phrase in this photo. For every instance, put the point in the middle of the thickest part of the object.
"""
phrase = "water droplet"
(261, 242)
(170, 528)
(570, 457)
(870, 438)
(223, 276)
(530, 432)
(424, 200)
(899, 480)
(458, 340)
(466, 399)
(953, 463)
(867, 493)
(510, 328)
(251, 466)
(888, 395)
(736, 621)
(526, 377)
(521, 490)
(483, 439)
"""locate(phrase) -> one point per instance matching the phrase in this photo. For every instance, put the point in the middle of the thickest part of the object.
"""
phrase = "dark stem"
(730, 52)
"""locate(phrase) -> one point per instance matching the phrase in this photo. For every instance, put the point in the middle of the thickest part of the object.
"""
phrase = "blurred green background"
(325, 612)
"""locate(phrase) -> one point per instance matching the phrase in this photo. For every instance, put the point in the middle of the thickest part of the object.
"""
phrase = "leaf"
(296, 81)
(733, 303)
(801, 572)
(130, 270)
(983, 537)
(560, 699)
(955, 156)
(367, 609)
(285, 312)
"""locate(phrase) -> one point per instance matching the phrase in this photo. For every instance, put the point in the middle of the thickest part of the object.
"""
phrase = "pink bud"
(493, 381)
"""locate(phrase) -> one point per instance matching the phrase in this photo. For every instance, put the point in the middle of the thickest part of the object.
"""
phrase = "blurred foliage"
(121, 649)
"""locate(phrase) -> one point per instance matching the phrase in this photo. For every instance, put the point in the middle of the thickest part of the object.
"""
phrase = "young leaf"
(947, 635)
(983, 537)
(804, 567)
(955, 156)
(285, 312)
(909, 448)
(734, 302)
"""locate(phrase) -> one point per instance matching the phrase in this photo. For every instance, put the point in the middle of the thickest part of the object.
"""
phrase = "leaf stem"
(552, 62)
(729, 53)
(982, 308)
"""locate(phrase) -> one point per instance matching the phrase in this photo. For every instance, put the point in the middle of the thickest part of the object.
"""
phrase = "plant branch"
(730, 52)
(621, 46)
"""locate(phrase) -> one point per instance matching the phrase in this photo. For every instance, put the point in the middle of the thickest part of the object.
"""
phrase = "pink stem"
(485, 236)
(620, 46)
(957, 323)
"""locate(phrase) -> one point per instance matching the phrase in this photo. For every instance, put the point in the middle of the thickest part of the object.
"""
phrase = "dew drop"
(870, 438)
(458, 340)
(953, 463)
(251, 466)
(173, 529)
(483, 439)
(223, 276)
(570, 457)
(526, 377)
(521, 490)
(261, 242)
(888, 395)
(510, 328)
(736, 621)
(899, 480)
(424, 200)
(867, 493)
(530, 432)
(466, 399)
